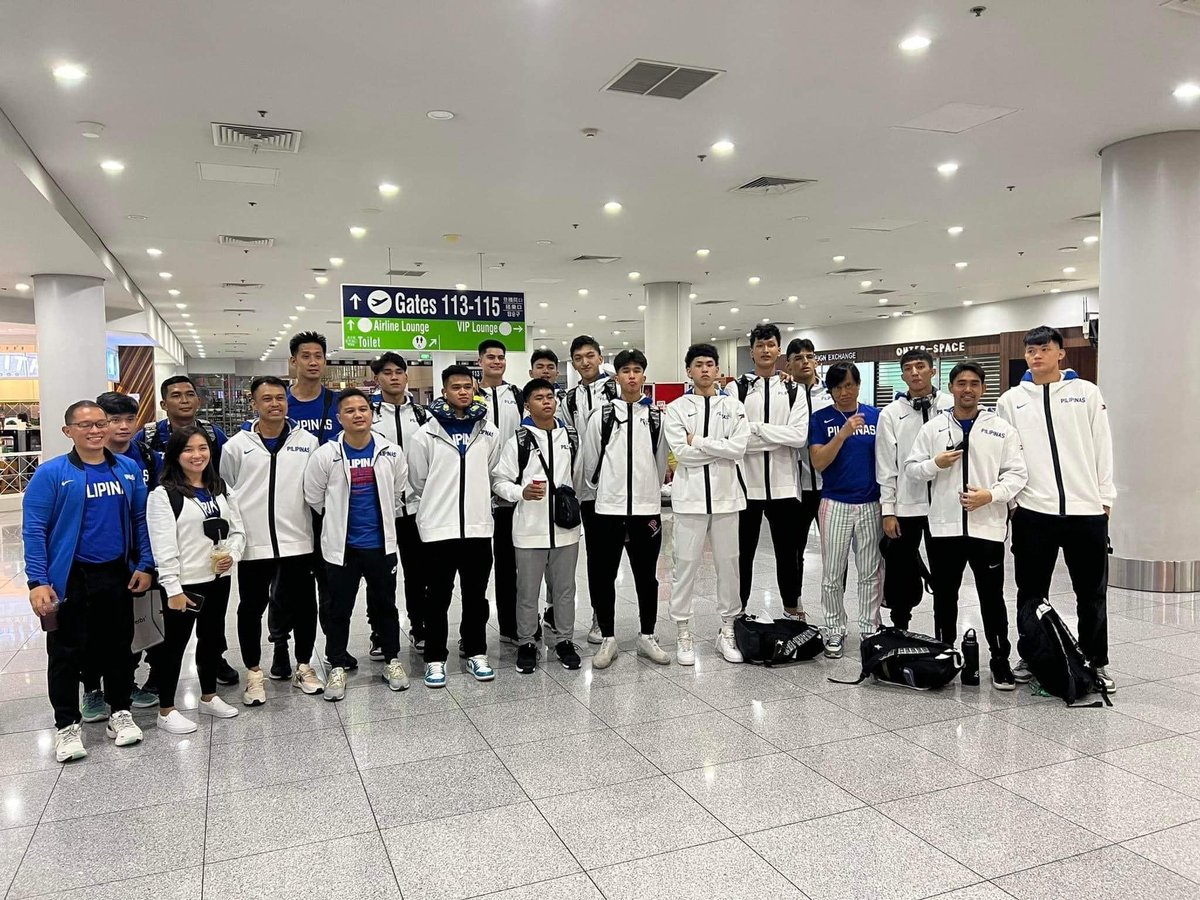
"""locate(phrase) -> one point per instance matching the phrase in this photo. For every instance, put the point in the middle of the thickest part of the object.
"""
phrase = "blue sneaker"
(480, 668)
(143, 699)
(93, 708)
(435, 675)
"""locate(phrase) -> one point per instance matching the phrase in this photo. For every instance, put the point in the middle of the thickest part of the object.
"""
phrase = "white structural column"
(668, 329)
(1150, 205)
(72, 337)
(727, 348)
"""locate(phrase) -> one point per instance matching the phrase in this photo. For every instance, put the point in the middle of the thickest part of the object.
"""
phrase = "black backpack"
(766, 642)
(608, 391)
(564, 504)
(916, 661)
(608, 421)
(743, 388)
(1053, 656)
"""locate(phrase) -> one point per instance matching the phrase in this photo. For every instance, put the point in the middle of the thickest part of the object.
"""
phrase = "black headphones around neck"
(921, 404)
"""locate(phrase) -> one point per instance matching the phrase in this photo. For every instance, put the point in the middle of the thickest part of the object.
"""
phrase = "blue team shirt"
(850, 478)
(364, 528)
(149, 474)
(102, 537)
(459, 431)
(965, 425)
(271, 443)
(307, 414)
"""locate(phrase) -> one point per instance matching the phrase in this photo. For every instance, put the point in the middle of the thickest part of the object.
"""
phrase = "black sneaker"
(568, 655)
(548, 616)
(226, 674)
(418, 641)
(347, 662)
(462, 654)
(376, 651)
(526, 658)
(1002, 676)
(281, 666)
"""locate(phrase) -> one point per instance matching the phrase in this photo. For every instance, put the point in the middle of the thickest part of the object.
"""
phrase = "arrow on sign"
(519, 329)
(433, 342)
(354, 298)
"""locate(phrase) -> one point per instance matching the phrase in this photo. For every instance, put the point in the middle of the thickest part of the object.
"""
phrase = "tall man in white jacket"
(778, 428)
(1063, 423)
(535, 463)
(265, 466)
(972, 459)
(450, 466)
(356, 483)
(904, 500)
(625, 462)
(708, 432)
(802, 366)
(399, 419)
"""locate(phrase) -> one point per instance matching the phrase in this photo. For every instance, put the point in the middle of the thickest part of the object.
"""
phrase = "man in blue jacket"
(84, 531)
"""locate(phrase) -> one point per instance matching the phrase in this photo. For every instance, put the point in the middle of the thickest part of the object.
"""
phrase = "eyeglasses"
(98, 425)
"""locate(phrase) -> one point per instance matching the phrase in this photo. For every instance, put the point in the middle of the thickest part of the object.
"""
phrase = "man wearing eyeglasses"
(86, 552)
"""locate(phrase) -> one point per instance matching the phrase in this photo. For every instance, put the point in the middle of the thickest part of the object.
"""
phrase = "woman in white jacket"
(197, 536)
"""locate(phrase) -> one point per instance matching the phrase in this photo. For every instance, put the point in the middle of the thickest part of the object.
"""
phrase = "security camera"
(978, 11)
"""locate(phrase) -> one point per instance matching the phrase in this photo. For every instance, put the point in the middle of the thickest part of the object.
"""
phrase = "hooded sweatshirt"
(706, 473)
(899, 422)
(778, 429)
(554, 463)
(631, 469)
(1067, 444)
(400, 424)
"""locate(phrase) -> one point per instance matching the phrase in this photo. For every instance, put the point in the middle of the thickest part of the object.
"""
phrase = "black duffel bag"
(770, 642)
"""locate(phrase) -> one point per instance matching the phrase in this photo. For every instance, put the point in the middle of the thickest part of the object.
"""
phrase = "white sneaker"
(218, 708)
(122, 729)
(647, 646)
(595, 636)
(603, 658)
(480, 668)
(174, 722)
(395, 676)
(685, 653)
(335, 684)
(306, 679)
(68, 743)
(255, 693)
(727, 644)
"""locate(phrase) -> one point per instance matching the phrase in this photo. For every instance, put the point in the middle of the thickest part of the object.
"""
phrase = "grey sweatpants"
(558, 567)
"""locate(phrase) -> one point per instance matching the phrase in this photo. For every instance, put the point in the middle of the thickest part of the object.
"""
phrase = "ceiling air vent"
(239, 309)
(771, 186)
(1183, 6)
(407, 273)
(850, 270)
(255, 138)
(603, 260)
(1090, 217)
(878, 292)
(1057, 281)
(240, 286)
(659, 79)
(245, 242)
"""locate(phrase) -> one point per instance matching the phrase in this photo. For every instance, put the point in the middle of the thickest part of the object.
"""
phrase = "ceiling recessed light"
(322, 279)
(301, 308)
(165, 276)
(602, 317)
(734, 309)
(702, 253)
(544, 305)
(720, 328)
(69, 73)
(112, 166)
(1091, 239)
(564, 343)
(544, 243)
(883, 316)
(174, 292)
(1069, 270)
(336, 261)
(612, 206)
(21, 286)
(293, 318)
(897, 314)
(440, 115)
(624, 343)
(181, 306)
(186, 315)
(793, 298)
(634, 276)
(754, 279)
(954, 230)
(1056, 290)
(541, 331)
(153, 251)
(692, 296)
(915, 43)
(722, 148)
(947, 168)
(641, 307)
(883, 300)
(583, 292)
(134, 217)
(570, 324)
(865, 284)
(968, 302)
(460, 287)
(616, 334)
(1189, 90)
(766, 320)
(388, 189)
(357, 231)
(961, 265)
(310, 296)
(839, 258)
(791, 328)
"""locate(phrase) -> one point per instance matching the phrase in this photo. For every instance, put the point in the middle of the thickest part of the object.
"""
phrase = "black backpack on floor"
(1053, 656)
(771, 642)
(912, 660)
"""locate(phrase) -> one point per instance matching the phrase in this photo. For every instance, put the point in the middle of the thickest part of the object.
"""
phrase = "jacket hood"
(441, 411)
(1067, 375)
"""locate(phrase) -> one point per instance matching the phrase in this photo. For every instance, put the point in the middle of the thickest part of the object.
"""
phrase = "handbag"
(148, 628)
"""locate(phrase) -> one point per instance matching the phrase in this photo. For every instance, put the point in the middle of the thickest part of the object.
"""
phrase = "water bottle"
(970, 653)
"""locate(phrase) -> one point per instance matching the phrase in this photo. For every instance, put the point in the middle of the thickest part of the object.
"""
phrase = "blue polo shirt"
(364, 527)
(102, 536)
(850, 478)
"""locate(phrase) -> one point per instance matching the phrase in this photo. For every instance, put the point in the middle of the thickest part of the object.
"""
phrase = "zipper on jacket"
(550, 482)
(1058, 476)
(767, 421)
(966, 470)
(629, 464)
(812, 471)
(928, 484)
(496, 406)
(462, 495)
(707, 481)
(271, 508)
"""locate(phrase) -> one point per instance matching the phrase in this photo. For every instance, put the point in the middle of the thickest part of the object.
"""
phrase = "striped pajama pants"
(842, 526)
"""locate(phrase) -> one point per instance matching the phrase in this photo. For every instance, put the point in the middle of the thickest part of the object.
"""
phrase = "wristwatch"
(33, 584)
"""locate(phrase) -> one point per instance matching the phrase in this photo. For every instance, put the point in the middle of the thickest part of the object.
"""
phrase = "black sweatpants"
(986, 559)
(782, 516)
(1036, 540)
(378, 569)
(471, 560)
(286, 590)
(209, 623)
(587, 512)
(95, 629)
(319, 573)
(506, 570)
(91, 678)
(810, 503)
(412, 561)
(641, 539)
(902, 584)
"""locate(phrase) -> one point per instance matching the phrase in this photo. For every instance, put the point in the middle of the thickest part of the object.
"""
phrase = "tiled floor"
(637, 781)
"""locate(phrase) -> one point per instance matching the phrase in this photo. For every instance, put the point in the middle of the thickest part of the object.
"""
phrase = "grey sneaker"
(335, 684)
(603, 658)
(647, 648)
(834, 646)
(68, 743)
(395, 676)
(1021, 673)
(1105, 679)
(93, 708)
(143, 699)
(595, 635)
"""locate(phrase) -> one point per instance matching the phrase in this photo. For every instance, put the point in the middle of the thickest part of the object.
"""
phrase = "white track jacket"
(182, 550)
(706, 473)
(453, 490)
(631, 471)
(899, 422)
(814, 397)
(533, 522)
(400, 424)
(778, 429)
